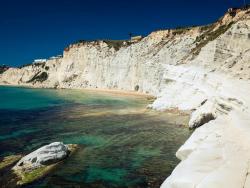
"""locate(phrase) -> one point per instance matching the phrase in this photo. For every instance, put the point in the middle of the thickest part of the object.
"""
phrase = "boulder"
(203, 114)
(40, 162)
(211, 108)
(46, 155)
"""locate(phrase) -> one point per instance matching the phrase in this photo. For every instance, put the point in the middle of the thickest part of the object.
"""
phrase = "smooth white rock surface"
(45, 155)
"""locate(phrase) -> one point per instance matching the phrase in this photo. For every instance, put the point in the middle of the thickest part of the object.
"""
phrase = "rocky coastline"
(205, 70)
(18, 170)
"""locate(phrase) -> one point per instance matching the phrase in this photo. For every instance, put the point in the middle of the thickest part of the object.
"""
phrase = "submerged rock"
(9, 160)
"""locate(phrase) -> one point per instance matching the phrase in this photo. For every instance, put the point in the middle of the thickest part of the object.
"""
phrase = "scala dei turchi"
(204, 70)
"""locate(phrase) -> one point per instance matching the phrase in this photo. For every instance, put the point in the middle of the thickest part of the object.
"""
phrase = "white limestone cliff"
(205, 70)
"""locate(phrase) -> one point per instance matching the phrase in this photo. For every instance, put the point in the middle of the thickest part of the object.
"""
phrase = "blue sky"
(33, 29)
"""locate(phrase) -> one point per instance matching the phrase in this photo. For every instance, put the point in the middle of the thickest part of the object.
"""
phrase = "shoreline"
(174, 122)
(122, 93)
(206, 72)
(112, 91)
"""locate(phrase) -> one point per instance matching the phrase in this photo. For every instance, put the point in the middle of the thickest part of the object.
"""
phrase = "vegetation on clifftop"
(209, 34)
(116, 44)
(3, 68)
(42, 64)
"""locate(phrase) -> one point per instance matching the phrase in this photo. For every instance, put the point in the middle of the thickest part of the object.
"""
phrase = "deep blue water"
(121, 143)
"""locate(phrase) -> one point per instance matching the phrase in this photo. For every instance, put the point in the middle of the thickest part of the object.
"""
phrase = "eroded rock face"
(45, 155)
(205, 113)
(200, 119)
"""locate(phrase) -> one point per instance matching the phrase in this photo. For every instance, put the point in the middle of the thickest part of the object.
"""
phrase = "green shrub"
(3, 68)
(116, 44)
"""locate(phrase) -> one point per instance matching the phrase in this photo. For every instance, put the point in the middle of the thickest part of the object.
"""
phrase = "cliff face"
(202, 69)
(99, 65)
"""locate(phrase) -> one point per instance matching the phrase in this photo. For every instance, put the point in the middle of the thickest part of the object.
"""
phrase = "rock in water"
(40, 162)
(45, 155)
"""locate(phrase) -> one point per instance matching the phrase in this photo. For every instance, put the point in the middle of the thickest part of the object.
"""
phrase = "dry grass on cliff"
(116, 44)
(209, 35)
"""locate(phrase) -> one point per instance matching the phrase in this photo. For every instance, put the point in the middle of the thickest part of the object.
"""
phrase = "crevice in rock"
(39, 77)
(205, 118)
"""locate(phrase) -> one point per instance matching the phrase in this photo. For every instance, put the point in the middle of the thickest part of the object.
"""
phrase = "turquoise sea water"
(121, 143)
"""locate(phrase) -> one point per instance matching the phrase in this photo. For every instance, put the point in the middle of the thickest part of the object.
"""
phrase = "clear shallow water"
(121, 143)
